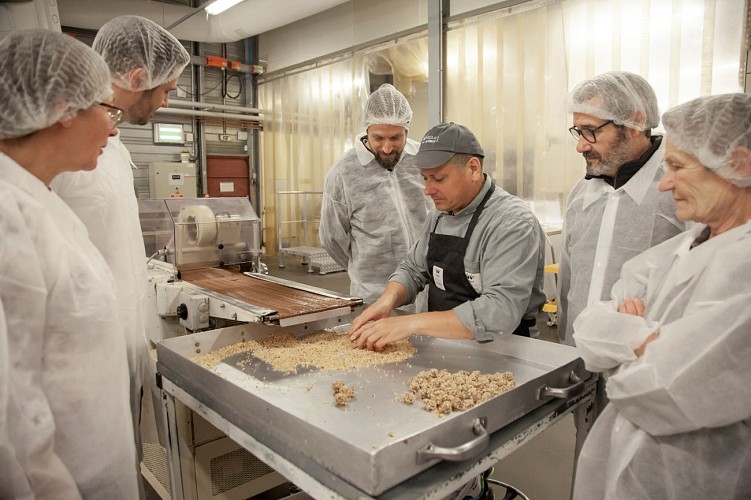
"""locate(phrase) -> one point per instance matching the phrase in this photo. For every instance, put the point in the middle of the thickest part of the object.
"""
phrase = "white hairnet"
(712, 128)
(46, 76)
(388, 106)
(626, 98)
(128, 43)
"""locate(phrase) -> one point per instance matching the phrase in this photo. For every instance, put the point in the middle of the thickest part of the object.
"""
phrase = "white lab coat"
(370, 217)
(13, 481)
(65, 388)
(105, 201)
(604, 228)
(678, 425)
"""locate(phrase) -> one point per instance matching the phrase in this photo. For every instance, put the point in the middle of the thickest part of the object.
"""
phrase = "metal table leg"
(173, 451)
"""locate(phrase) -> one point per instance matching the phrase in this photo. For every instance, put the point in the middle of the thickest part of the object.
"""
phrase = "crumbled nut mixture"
(324, 350)
(442, 392)
(343, 393)
(212, 359)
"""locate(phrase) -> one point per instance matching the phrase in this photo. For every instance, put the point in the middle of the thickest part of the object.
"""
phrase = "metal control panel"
(172, 180)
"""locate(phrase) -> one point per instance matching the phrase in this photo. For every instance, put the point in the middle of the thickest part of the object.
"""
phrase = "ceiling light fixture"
(219, 6)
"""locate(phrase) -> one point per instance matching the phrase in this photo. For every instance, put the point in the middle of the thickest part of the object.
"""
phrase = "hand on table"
(376, 334)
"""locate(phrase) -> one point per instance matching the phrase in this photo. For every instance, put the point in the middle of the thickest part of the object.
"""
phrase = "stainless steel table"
(328, 464)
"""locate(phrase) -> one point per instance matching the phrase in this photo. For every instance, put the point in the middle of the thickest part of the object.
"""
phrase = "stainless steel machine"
(205, 273)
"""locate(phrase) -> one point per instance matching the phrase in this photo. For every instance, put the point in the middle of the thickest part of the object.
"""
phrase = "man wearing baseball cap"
(481, 252)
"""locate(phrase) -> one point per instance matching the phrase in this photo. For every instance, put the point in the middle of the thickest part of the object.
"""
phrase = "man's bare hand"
(374, 312)
(376, 335)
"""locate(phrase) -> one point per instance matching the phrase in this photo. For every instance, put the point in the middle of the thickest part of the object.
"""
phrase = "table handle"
(576, 387)
(461, 452)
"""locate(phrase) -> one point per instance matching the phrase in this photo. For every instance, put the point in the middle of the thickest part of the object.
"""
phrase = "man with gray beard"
(615, 212)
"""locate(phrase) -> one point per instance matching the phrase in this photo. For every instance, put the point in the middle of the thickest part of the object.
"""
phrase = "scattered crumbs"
(343, 393)
(212, 359)
(391, 434)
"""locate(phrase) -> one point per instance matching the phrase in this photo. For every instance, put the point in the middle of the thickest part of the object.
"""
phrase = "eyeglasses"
(589, 133)
(115, 113)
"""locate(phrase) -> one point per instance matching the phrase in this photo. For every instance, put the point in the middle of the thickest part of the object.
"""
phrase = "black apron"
(446, 257)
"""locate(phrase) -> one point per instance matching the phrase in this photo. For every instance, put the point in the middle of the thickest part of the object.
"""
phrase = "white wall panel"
(343, 27)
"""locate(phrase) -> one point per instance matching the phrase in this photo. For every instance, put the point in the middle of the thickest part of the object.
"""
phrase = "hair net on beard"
(626, 98)
(45, 77)
(388, 106)
(712, 129)
(128, 43)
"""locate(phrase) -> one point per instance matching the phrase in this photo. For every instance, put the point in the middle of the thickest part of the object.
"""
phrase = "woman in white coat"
(675, 339)
(65, 429)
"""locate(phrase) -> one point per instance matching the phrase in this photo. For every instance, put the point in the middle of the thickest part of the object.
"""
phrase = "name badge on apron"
(438, 277)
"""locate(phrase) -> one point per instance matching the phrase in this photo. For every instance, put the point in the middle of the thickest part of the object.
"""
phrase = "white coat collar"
(594, 189)
(691, 262)
(65, 219)
(18, 176)
(366, 156)
(115, 141)
(637, 187)
(117, 145)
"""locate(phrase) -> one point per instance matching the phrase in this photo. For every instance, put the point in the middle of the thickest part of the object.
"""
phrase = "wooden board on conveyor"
(286, 300)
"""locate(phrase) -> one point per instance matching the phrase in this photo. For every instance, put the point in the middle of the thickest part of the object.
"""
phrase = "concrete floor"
(541, 469)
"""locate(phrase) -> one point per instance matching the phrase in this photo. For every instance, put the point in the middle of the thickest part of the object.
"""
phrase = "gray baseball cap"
(444, 141)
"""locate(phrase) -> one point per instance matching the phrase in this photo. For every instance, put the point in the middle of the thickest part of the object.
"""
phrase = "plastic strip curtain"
(310, 118)
(508, 74)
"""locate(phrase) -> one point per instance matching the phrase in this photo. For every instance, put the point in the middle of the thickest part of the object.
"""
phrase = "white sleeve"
(334, 230)
(13, 482)
(696, 373)
(564, 284)
(28, 459)
(606, 338)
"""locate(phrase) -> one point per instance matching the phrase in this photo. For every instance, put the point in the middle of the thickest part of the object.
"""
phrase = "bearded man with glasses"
(616, 211)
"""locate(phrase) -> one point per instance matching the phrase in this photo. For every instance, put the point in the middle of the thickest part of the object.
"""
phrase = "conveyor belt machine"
(206, 270)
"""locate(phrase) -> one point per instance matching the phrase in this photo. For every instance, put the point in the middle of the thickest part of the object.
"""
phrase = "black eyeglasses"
(115, 113)
(589, 133)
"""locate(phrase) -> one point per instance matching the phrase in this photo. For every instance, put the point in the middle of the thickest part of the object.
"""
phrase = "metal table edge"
(431, 483)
